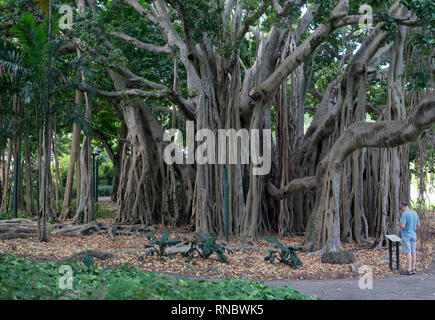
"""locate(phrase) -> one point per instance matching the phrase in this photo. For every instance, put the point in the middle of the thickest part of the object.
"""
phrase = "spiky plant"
(158, 246)
(287, 254)
(205, 246)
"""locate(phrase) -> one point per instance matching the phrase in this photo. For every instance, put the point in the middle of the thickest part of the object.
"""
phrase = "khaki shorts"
(408, 245)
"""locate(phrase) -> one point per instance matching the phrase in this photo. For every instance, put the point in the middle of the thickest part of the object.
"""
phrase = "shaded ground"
(247, 261)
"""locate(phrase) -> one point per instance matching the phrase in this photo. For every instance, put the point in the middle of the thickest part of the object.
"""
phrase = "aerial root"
(25, 228)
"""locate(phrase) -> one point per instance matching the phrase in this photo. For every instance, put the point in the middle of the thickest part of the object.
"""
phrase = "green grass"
(25, 279)
(9, 215)
(426, 207)
(103, 213)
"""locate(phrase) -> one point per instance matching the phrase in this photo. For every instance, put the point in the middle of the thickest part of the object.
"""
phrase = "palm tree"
(13, 65)
(33, 62)
(34, 58)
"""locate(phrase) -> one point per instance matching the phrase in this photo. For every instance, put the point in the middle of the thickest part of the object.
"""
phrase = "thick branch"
(316, 94)
(267, 89)
(306, 20)
(185, 106)
(293, 187)
(282, 11)
(131, 93)
(141, 10)
(249, 21)
(139, 44)
(382, 134)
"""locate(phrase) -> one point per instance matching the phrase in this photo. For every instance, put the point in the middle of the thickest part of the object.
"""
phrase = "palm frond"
(27, 92)
(33, 38)
(77, 116)
(11, 58)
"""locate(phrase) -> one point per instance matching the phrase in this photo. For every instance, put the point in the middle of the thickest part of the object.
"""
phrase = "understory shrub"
(158, 246)
(286, 254)
(205, 247)
(25, 279)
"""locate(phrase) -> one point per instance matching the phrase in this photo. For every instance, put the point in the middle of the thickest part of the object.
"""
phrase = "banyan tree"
(253, 66)
(342, 179)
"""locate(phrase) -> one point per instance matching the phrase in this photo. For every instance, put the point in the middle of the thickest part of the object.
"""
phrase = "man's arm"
(402, 222)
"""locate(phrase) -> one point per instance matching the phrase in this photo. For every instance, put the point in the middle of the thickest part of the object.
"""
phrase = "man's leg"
(414, 258)
(406, 248)
(409, 262)
(413, 243)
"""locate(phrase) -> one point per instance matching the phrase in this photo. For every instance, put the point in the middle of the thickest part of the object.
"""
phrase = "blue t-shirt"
(410, 220)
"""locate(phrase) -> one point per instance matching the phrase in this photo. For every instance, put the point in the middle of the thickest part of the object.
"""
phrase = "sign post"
(393, 238)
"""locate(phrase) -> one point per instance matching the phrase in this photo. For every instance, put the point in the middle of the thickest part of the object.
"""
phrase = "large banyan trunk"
(394, 175)
(290, 107)
(150, 191)
(339, 212)
(353, 218)
(218, 108)
(288, 138)
(348, 189)
(208, 195)
(142, 185)
(85, 209)
(74, 159)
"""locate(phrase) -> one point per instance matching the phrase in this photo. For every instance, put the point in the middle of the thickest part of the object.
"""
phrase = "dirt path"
(418, 287)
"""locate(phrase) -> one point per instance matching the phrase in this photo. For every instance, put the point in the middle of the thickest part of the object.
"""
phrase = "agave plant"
(205, 247)
(158, 246)
(286, 253)
(88, 260)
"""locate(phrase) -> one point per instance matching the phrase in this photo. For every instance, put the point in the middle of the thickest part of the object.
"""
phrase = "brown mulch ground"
(248, 264)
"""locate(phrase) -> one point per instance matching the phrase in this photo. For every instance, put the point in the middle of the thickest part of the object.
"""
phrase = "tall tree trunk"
(117, 161)
(58, 183)
(45, 210)
(74, 156)
(6, 190)
(393, 179)
(85, 209)
(29, 178)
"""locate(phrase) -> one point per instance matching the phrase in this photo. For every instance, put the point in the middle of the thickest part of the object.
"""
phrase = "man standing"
(409, 224)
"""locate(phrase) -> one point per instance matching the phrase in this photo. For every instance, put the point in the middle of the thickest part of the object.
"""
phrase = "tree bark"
(74, 156)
